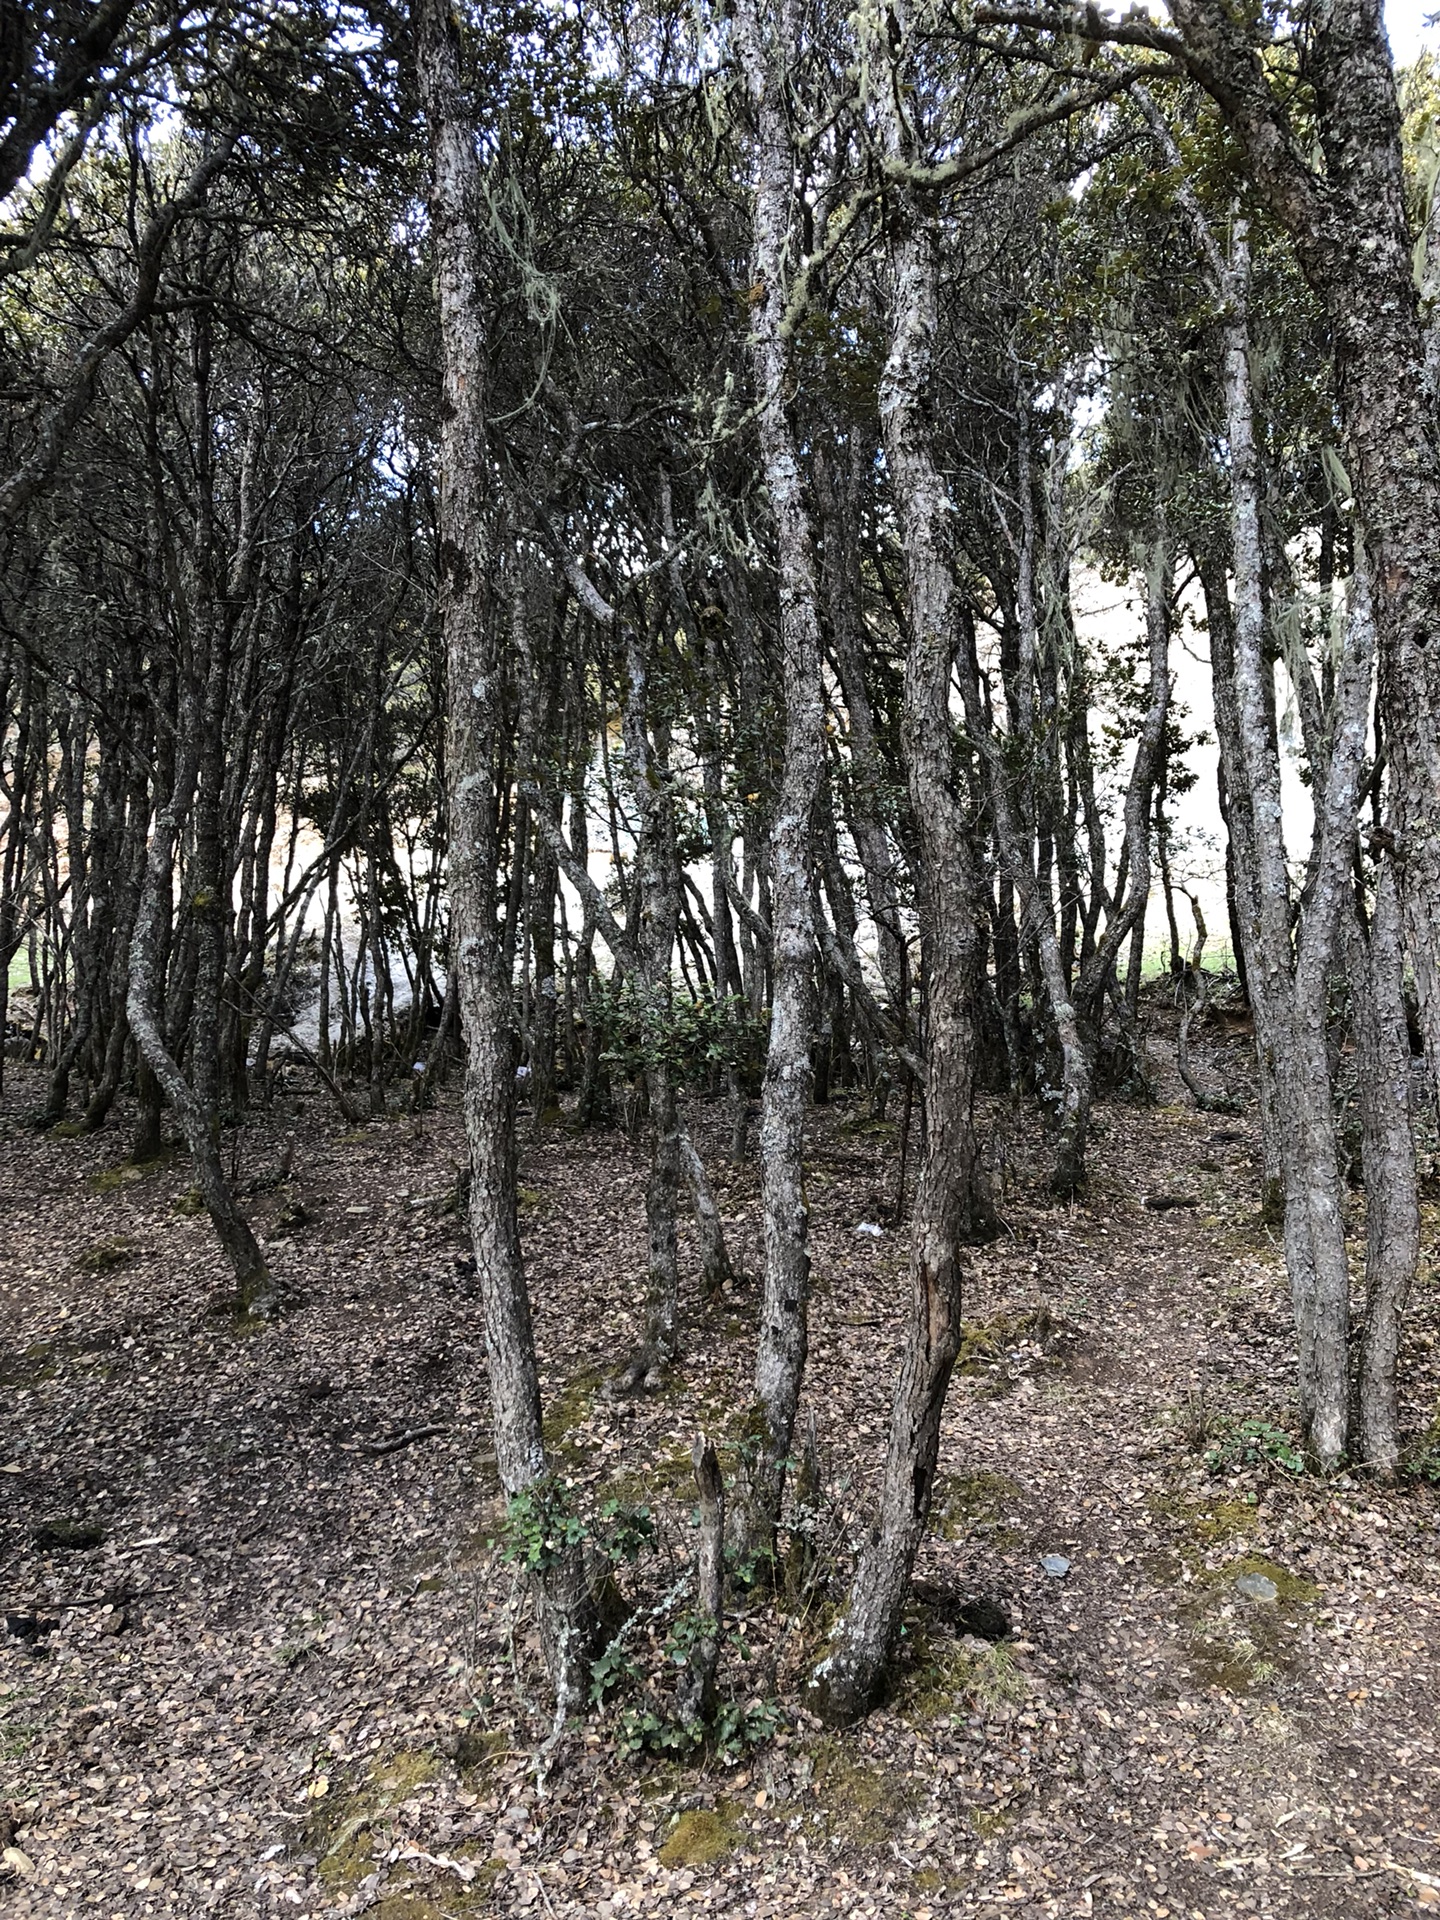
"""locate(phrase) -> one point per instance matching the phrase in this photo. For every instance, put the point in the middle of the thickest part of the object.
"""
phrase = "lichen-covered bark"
(1354, 244)
(1392, 1201)
(565, 1608)
(198, 1114)
(846, 1681)
(658, 880)
(1288, 976)
(764, 42)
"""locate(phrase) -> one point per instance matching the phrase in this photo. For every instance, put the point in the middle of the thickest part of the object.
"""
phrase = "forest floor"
(257, 1664)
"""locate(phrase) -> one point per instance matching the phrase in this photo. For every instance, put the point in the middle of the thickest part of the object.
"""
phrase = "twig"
(375, 1447)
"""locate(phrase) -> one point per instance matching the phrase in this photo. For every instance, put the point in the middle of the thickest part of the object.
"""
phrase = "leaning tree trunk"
(780, 1355)
(474, 673)
(199, 1122)
(847, 1680)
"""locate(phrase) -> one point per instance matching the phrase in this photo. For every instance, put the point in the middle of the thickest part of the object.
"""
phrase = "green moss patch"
(965, 1503)
(341, 1826)
(479, 1748)
(984, 1344)
(1205, 1521)
(105, 1256)
(701, 1837)
(128, 1174)
(569, 1409)
(1240, 1644)
(862, 1804)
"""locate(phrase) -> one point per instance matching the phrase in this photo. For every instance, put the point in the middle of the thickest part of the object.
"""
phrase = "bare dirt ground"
(261, 1658)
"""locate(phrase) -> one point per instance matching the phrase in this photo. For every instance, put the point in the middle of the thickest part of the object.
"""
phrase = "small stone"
(1257, 1586)
(1056, 1565)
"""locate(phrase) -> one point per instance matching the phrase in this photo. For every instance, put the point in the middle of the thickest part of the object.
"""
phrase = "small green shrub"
(1251, 1443)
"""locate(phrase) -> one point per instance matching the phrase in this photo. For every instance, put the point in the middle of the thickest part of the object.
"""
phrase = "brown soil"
(291, 1679)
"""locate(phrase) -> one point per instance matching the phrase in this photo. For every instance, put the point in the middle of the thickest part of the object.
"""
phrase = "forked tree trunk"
(1293, 990)
(762, 34)
(1288, 970)
(1353, 241)
(565, 1603)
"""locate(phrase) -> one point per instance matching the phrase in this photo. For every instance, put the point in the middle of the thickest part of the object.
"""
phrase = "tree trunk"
(847, 1680)
(780, 1358)
(199, 1122)
(1353, 240)
(565, 1604)
(1392, 1208)
(696, 1696)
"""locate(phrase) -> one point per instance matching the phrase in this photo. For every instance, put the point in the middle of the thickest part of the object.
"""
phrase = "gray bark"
(764, 40)
(473, 659)
(847, 1680)
(696, 1697)
(199, 1119)
(1392, 1203)
(1355, 247)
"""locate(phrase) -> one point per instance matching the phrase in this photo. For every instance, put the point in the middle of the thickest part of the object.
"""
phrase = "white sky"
(1410, 31)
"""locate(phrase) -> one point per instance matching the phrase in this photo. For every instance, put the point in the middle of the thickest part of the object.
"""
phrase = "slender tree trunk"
(199, 1121)
(762, 35)
(474, 665)
(1353, 240)
(695, 1704)
(847, 1680)
(1392, 1208)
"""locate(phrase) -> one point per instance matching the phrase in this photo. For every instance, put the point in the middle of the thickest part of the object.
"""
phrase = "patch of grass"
(105, 1256)
(479, 1748)
(988, 1821)
(701, 1837)
(1422, 1462)
(68, 1130)
(16, 1738)
(964, 1503)
(189, 1203)
(1238, 1644)
(985, 1343)
(948, 1675)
